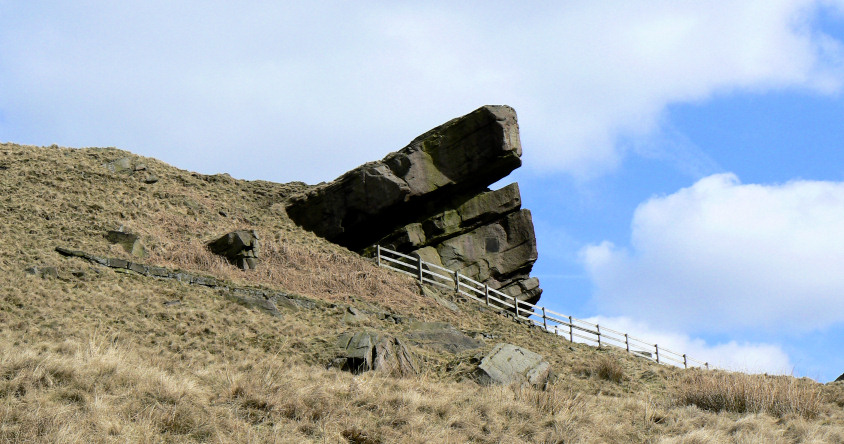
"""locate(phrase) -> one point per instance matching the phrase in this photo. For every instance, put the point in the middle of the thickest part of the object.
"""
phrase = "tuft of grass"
(609, 369)
(357, 436)
(743, 393)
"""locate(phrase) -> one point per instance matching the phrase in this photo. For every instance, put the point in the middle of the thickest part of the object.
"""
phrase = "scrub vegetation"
(94, 354)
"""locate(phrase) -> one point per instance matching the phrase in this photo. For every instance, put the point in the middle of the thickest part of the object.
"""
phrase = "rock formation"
(43, 272)
(441, 337)
(126, 165)
(431, 199)
(240, 248)
(507, 364)
(130, 242)
(364, 351)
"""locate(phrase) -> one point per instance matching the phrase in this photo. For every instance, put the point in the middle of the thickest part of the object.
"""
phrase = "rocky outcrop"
(265, 300)
(131, 243)
(431, 199)
(43, 271)
(126, 165)
(364, 351)
(441, 336)
(507, 364)
(240, 248)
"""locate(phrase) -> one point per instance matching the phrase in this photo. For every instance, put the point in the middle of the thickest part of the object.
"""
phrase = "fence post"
(544, 321)
(685, 364)
(486, 294)
(378, 255)
(457, 281)
(516, 304)
(707, 365)
(557, 330)
(627, 342)
(598, 327)
(571, 331)
(419, 266)
(656, 347)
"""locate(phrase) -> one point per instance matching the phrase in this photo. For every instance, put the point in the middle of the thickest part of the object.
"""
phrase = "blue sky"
(683, 160)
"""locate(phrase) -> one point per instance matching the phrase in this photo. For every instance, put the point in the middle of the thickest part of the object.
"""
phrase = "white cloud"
(312, 91)
(744, 357)
(723, 256)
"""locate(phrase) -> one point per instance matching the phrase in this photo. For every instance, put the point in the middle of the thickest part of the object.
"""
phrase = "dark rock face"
(461, 156)
(240, 248)
(431, 199)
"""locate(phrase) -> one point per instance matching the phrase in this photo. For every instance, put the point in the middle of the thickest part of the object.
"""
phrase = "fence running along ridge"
(550, 321)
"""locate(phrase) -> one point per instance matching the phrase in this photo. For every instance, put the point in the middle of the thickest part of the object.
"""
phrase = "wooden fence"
(576, 330)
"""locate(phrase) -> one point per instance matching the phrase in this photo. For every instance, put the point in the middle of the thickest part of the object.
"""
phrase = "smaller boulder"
(425, 291)
(43, 272)
(840, 378)
(250, 299)
(130, 242)
(122, 165)
(240, 248)
(441, 337)
(365, 351)
(354, 316)
(507, 364)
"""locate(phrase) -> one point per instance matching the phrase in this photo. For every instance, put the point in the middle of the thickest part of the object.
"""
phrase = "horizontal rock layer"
(431, 198)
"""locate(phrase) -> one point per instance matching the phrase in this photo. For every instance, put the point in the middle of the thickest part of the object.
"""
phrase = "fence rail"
(550, 321)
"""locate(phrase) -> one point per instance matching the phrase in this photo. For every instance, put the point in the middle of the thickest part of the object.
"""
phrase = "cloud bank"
(311, 91)
(726, 256)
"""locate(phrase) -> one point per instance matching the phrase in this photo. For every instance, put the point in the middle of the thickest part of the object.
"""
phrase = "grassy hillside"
(99, 355)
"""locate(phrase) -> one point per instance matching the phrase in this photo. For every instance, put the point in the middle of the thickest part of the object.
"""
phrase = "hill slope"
(98, 355)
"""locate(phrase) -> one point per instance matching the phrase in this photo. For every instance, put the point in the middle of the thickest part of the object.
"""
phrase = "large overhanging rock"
(431, 199)
(462, 156)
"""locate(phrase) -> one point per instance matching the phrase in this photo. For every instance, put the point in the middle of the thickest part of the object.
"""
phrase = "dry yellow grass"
(101, 356)
(742, 393)
(609, 369)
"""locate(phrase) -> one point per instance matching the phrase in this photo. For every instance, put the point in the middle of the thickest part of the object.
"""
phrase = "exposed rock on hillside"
(441, 336)
(129, 241)
(431, 199)
(240, 248)
(507, 363)
(366, 351)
